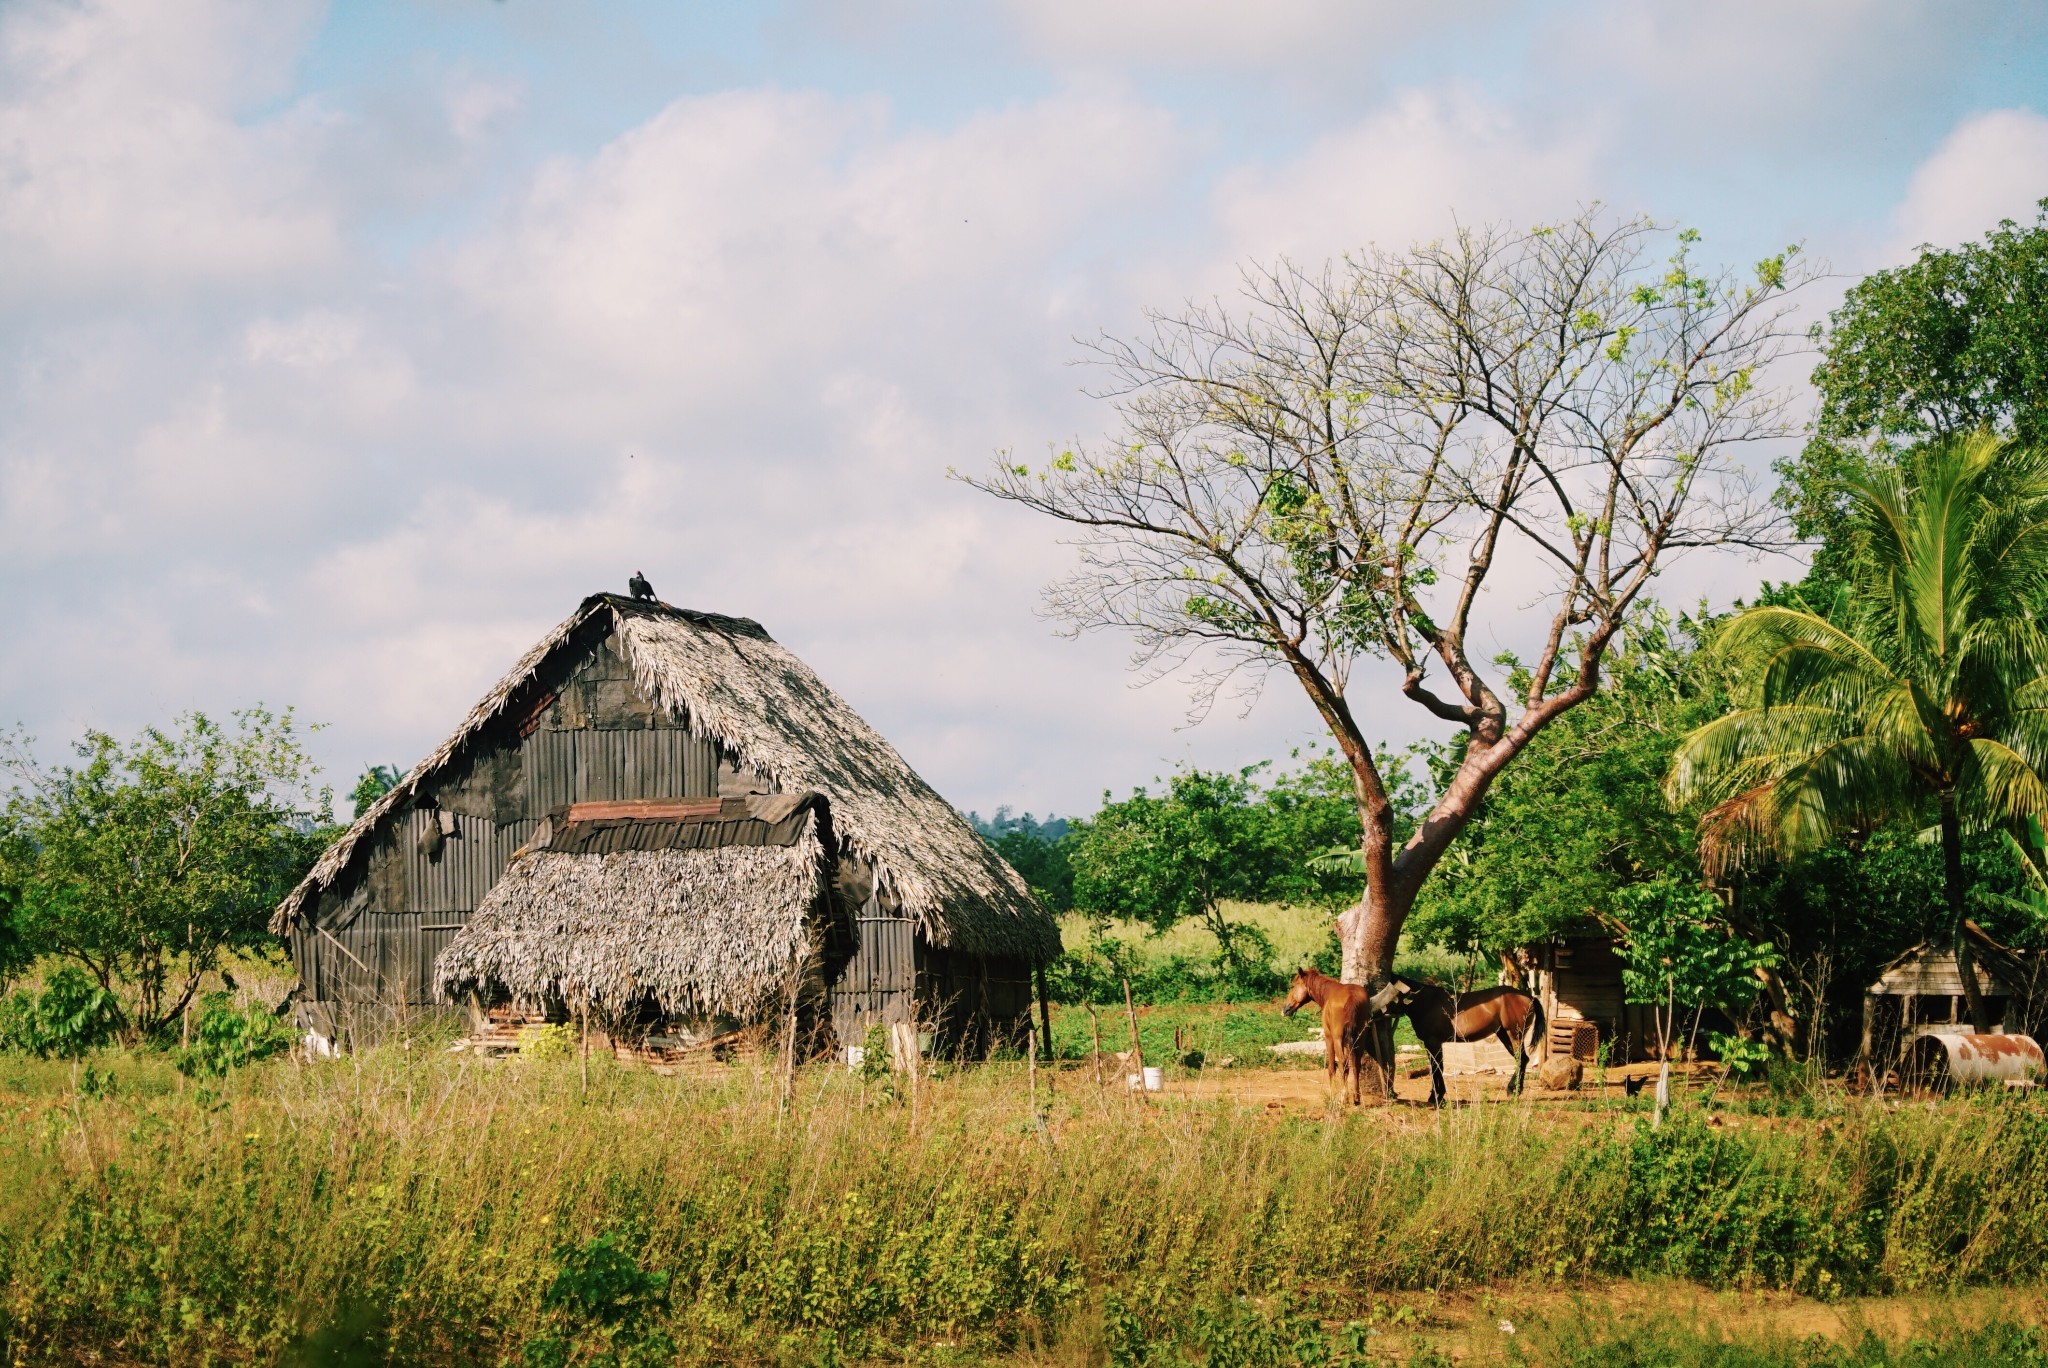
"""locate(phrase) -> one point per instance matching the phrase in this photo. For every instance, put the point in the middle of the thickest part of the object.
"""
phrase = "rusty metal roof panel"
(775, 819)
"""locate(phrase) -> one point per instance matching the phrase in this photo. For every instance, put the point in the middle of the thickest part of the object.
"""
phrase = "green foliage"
(601, 1309)
(1039, 851)
(556, 1040)
(372, 784)
(1696, 1204)
(1927, 686)
(1947, 344)
(1677, 948)
(229, 1037)
(1744, 1061)
(1153, 1324)
(467, 1211)
(70, 1016)
(1163, 859)
(1581, 815)
(148, 860)
(1217, 836)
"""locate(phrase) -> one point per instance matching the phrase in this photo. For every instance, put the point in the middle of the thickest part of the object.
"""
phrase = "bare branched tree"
(1337, 468)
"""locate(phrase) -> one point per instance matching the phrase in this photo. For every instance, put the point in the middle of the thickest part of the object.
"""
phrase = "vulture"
(640, 587)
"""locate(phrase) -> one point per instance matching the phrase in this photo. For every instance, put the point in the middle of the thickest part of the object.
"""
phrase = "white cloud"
(1323, 36)
(128, 165)
(1992, 167)
(1406, 174)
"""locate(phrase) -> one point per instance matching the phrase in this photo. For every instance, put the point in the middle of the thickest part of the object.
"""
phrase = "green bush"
(228, 1037)
(69, 1017)
(600, 1310)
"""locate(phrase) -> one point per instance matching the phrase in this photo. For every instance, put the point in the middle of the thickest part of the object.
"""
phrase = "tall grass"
(435, 1209)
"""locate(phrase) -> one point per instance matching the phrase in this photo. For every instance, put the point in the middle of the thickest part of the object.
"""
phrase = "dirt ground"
(1479, 1326)
(1308, 1089)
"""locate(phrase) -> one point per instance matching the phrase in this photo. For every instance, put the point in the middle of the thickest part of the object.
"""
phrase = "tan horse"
(1509, 1015)
(1346, 1010)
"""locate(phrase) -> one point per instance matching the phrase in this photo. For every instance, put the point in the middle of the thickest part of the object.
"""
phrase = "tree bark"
(1952, 885)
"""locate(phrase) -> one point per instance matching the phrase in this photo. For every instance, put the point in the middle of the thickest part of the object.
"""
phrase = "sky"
(344, 349)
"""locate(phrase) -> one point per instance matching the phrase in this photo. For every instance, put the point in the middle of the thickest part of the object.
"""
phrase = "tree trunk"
(1952, 885)
(1369, 934)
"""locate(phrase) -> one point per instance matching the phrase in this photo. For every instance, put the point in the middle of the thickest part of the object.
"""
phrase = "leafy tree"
(1037, 850)
(1680, 955)
(1162, 859)
(1927, 685)
(1954, 341)
(148, 860)
(372, 784)
(71, 1015)
(227, 1037)
(1335, 470)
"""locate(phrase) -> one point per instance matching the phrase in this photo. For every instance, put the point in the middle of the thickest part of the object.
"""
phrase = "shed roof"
(1926, 971)
(727, 680)
(703, 931)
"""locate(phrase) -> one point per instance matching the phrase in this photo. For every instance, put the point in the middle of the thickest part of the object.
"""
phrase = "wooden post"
(1137, 1048)
(1095, 1028)
(1031, 1067)
(788, 1049)
(1044, 1017)
(583, 1019)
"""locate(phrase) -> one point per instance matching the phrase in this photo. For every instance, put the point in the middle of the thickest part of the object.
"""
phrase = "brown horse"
(1509, 1015)
(1346, 1010)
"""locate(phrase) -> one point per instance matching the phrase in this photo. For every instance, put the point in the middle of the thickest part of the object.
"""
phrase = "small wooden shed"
(1921, 993)
(662, 814)
(1578, 981)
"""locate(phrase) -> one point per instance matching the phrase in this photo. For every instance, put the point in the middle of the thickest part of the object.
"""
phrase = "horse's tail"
(1532, 1034)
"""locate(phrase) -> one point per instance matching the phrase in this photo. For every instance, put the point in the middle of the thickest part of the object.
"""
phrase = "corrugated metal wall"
(879, 983)
(469, 863)
(563, 766)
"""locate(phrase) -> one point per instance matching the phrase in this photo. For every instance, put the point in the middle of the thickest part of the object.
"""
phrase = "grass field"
(422, 1207)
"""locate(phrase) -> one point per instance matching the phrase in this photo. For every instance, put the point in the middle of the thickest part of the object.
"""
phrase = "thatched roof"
(726, 679)
(702, 930)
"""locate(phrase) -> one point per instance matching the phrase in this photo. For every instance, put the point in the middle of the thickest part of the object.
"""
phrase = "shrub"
(227, 1037)
(70, 1016)
(557, 1041)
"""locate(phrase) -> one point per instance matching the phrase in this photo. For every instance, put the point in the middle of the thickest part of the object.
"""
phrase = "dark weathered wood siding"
(878, 983)
(589, 735)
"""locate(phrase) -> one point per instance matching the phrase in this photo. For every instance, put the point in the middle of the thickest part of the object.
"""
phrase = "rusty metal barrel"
(1943, 1061)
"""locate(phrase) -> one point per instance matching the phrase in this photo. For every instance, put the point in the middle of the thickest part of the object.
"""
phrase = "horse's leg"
(1513, 1045)
(1436, 1071)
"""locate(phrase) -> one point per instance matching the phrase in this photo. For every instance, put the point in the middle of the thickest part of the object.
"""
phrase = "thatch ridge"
(700, 933)
(727, 679)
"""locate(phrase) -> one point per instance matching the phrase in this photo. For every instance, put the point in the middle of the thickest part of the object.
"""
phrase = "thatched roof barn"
(482, 850)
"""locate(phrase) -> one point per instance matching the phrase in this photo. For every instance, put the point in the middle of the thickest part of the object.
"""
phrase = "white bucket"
(1155, 1078)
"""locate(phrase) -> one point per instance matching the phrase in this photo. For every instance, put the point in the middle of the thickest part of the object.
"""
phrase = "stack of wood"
(499, 1030)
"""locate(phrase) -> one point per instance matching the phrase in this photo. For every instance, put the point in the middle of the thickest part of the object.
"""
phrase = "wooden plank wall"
(878, 984)
(976, 1002)
(594, 738)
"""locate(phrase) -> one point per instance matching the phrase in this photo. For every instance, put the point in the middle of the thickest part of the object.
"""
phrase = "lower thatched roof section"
(703, 933)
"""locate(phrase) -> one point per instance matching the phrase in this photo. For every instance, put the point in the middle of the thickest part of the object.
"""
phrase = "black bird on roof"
(640, 587)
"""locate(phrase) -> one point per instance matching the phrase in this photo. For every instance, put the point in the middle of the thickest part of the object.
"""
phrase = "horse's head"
(1299, 993)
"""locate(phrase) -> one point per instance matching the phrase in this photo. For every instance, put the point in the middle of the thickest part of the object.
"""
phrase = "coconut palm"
(1926, 684)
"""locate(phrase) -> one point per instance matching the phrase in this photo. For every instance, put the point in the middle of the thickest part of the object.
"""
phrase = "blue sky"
(342, 350)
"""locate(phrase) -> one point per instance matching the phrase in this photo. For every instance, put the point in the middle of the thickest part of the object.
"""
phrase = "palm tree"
(1927, 682)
